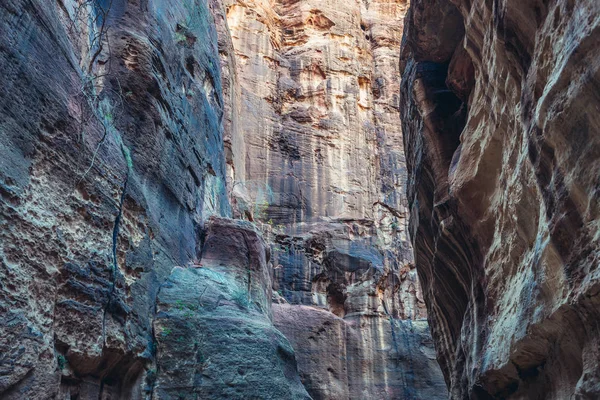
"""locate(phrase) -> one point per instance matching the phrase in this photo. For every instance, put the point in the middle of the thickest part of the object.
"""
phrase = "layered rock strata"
(499, 109)
(113, 159)
(131, 130)
(319, 105)
(324, 173)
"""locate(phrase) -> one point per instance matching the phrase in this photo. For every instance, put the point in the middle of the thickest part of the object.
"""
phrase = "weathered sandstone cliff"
(324, 173)
(500, 105)
(132, 132)
(112, 283)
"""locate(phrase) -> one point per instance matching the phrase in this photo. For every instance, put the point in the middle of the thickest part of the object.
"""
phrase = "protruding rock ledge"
(213, 330)
(502, 140)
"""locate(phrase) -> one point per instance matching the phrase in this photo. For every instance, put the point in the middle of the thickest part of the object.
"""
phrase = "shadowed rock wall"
(499, 108)
(112, 158)
(215, 338)
(130, 130)
(366, 357)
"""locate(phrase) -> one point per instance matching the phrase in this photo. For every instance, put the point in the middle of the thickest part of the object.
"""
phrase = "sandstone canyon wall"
(500, 105)
(114, 282)
(324, 175)
(132, 131)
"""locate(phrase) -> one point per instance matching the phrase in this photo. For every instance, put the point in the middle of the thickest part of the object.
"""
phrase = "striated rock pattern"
(131, 131)
(112, 159)
(500, 115)
(347, 307)
(361, 358)
(319, 105)
(324, 173)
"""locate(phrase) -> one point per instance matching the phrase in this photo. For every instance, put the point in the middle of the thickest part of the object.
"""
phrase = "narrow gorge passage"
(299, 199)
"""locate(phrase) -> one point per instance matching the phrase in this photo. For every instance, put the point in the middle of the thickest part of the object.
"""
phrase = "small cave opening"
(336, 299)
(450, 110)
(329, 295)
(190, 63)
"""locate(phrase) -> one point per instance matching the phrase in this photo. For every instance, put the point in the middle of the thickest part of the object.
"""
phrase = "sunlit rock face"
(323, 171)
(131, 131)
(500, 116)
(319, 107)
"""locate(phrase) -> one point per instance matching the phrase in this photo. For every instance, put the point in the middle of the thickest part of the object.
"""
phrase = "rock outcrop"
(215, 338)
(500, 115)
(348, 308)
(324, 174)
(132, 131)
(113, 159)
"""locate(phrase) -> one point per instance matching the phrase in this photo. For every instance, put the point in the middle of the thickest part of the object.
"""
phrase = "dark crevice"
(115, 263)
(152, 376)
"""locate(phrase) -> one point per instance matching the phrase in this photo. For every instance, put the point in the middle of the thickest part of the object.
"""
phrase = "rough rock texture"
(131, 130)
(112, 159)
(319, 105)
(500, 114)
(357, 339)
(213, 324)
(361, 357)
(323, 170)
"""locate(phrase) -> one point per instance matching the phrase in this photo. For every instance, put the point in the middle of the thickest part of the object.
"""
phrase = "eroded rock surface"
(500, 116)
(324, 173)
(361, 357)
(319, 105)
(348, 308)
(112, 161)
(131, 129)
(215, 338)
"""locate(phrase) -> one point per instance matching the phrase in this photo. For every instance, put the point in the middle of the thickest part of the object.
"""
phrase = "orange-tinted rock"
(334, 362)
(319, 105)
(325, 173)
(503, 190)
